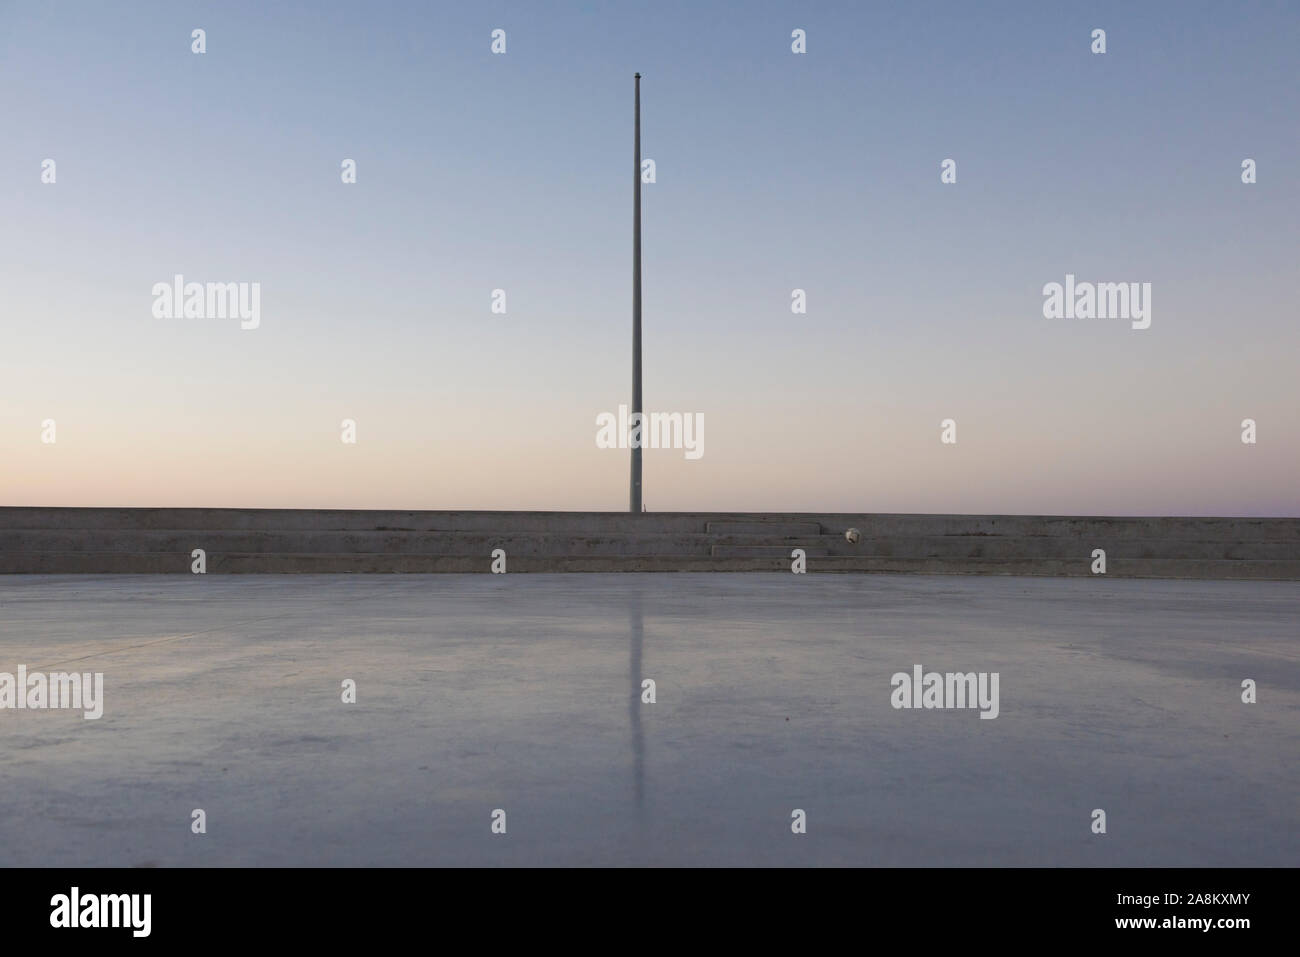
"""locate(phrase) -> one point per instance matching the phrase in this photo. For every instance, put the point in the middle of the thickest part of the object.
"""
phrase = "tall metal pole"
(635, 503)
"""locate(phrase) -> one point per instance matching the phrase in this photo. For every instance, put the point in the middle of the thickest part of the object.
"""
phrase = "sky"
(774, 171)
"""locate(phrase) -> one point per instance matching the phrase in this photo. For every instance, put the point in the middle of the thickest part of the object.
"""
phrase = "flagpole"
(635, 502)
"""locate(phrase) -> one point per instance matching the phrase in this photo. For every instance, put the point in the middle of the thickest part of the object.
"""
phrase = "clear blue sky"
(775, 171)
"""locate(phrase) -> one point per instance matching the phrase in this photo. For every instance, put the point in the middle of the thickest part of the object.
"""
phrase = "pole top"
(637, 75)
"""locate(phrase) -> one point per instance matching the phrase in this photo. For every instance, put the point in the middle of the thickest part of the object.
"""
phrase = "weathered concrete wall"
(161, 540)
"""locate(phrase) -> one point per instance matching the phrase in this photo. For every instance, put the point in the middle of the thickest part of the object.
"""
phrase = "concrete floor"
(521, 692)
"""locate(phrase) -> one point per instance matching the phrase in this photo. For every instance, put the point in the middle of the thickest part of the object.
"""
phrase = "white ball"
(853, 535)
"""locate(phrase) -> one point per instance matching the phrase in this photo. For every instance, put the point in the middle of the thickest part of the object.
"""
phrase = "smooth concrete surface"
(478, 692)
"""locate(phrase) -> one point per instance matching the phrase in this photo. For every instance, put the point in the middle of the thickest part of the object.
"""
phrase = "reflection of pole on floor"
(637, 629)
(634, 504)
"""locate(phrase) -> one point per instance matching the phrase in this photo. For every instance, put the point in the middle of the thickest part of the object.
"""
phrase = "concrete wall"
(154, 540)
